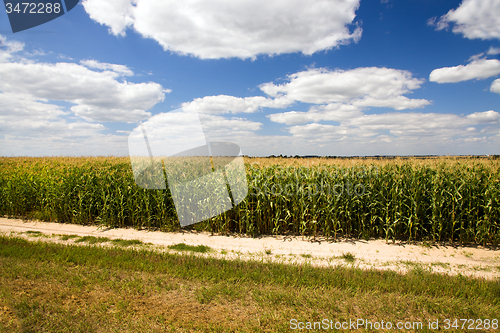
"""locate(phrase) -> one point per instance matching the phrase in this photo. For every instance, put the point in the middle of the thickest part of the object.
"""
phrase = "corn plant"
(438, 199)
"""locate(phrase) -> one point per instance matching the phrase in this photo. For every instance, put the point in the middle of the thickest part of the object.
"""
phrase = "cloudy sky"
(291, 77)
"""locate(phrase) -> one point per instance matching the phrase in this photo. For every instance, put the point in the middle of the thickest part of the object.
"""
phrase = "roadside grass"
(190, 248)
(348, 257)
(444, 265)
(92, 239)
(67, 237)
(32, 233)
(53, 287)
(126, 242)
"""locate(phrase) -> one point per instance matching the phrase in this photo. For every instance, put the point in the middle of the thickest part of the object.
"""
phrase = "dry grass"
(56, 288)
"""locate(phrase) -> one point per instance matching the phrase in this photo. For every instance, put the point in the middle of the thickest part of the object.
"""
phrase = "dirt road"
(472, 261)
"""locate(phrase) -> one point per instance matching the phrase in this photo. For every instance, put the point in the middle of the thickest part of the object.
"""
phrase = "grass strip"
(417, 282)
(126, 242)
(92, 239)
(68, 288)
(190, 248)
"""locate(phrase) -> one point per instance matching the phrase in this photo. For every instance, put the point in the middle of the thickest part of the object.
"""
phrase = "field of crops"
(436, 199)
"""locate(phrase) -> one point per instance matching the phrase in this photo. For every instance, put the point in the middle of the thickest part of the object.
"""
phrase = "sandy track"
(471, 261)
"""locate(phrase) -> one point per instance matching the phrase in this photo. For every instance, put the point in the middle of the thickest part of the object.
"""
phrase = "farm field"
(445, 199)
(417, 243)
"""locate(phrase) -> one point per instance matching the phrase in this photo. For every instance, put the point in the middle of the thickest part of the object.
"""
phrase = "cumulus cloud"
(98, 96)
(421, 123)
(493, 50)
(120, 69)
(218, 123)
(330, 112)
(8, 48)
(475, 19)
(33, 127)
(478, 69)
(484, 117)
(401, 125)
(495, 86)
(368, 86)
(221, 104)
(25, 107)
(317, 130)
(33, 120)
(340, 94)
(213, 29)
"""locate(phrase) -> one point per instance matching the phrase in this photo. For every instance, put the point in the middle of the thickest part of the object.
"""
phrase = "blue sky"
(301, 77)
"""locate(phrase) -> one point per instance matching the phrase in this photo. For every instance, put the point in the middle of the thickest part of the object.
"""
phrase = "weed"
(126, 242)
(92, 239)
(66, 237)
(191, 248)
(348, 257)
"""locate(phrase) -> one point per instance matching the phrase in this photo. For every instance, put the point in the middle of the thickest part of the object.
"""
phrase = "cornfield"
(439, 199)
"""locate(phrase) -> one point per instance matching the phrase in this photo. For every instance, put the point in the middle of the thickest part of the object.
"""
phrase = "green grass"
(190, 248)
(32, 233)
(92, 239)
(126, 242)
(348, 257)
(441, 264)
(67, 237)
(67, 288)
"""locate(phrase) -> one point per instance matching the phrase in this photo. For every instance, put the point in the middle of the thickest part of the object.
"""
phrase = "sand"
(475, 261)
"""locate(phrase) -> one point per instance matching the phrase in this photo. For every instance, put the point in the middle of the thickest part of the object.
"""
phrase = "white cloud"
(479, 69)
(330, 112)
(218, 123)
(402, 127)
(345, 93)
(495, 86)
(118, 15)
(35, 128)
(8, 48)
(98, 95)
(59, 138)
(484, 117)
(315, 130)
(396, 102)
(376, 134)
(120, 69)
(475, 19)
(213, 29)
(476, 57)
(421, 123)
(493, 50)
(33, 121)
(372, 86)
(26, 108)
(221, 104)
